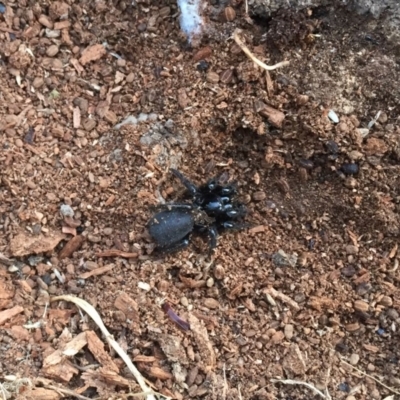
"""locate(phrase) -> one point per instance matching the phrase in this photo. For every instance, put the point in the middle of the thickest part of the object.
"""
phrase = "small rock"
(332, 147)
(386, 301)
(219, 272)
(94, 238)
(348, 271)
(288, 331)
(211, 303)
(67, 211)
(349, 168)
(354, 359)
(392, 313)
(333, 117)
(363, 132)
(184, 301)
(281, 259)
(355, 155)
(277, 337)
(351, 249)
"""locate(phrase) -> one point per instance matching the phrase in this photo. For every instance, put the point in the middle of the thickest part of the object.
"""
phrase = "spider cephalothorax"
(213, 209)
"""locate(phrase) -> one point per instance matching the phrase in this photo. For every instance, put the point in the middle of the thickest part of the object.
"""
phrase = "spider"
(213, 209)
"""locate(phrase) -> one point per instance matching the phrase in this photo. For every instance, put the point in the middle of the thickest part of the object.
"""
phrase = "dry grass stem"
(370, 376)
(301, 383)
(89, 309)
(253, 57)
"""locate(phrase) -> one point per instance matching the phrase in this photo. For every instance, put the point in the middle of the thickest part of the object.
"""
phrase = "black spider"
(213, 209)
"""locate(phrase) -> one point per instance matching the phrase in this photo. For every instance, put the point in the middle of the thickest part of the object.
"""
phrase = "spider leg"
(213, 235)
(172, 206)
(191, 187)
(232, 225)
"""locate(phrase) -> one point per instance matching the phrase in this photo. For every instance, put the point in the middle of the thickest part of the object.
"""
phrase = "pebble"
(332, 147)
(211, 303)
(392, 313)
(349, 168)
(210, 282)
(351, 397)
(354, 359)
(107, 231)
(281, 259)
(31, 185)
(333, 116)
(288, 331)
(371, 367)
(94, 238)
(351, 249)
(184, 301)
(66, 210)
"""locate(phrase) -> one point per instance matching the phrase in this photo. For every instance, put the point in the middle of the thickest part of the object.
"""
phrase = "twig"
(291, 382)
(224, 390)
(279, 295)
(370, 376)
(68, 392)
(328, 374)
(253, 57)
(89, 309)
(117, 253)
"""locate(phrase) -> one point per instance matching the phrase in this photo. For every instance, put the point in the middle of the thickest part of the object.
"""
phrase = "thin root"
(292, 382)
(253, 57)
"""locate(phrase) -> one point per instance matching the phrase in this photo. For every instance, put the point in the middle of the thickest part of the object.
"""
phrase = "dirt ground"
(310, 292)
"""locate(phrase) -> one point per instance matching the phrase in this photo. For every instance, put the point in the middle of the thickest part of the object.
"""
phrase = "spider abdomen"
(170, 226)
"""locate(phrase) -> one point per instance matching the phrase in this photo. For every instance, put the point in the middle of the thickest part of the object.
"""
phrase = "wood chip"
(144, 359)
(68, 350)
(206, 349)
(97, 271)
(128, 306)
(274, 116)
(159, 373)
(73, 245)
(117, 253)
(25, 244)
(257, 229)
(41, 394)
(92, 53)
(278, 295)
(96, 347)
(8, 314)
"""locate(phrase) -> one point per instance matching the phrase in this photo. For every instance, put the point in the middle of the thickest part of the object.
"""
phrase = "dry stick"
(253, 58)
(291, 382)
(97, 319)
(68, 392)
(370, 376)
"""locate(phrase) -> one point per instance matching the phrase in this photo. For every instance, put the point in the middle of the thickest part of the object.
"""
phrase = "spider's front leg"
(213, 235)
(191, 187)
